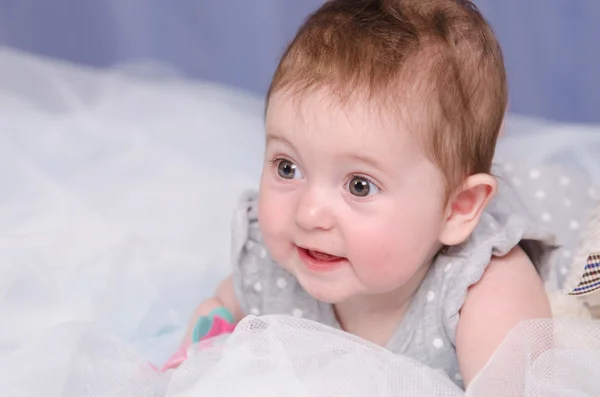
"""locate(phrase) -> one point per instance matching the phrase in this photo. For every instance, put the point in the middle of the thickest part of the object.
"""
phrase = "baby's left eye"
(361, 187)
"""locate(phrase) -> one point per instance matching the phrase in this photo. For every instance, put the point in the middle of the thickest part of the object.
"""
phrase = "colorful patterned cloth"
(590, 281)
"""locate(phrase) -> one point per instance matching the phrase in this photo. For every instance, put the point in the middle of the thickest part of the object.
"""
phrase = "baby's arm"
(224, 297)
(509, 291)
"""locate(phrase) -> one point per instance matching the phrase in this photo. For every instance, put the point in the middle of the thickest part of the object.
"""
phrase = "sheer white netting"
(284, 356)
(547, 358)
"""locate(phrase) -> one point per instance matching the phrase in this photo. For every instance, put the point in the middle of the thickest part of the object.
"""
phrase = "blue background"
(551, 47)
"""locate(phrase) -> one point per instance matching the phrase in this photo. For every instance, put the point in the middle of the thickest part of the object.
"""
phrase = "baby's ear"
(466, 206)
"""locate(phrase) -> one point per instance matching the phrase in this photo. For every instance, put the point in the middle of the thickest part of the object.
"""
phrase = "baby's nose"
(314, 211)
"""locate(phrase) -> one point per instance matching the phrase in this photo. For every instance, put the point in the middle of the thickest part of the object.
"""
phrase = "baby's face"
(349, 204)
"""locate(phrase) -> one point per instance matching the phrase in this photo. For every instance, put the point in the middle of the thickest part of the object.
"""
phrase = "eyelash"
(275, 161)
(366, 178)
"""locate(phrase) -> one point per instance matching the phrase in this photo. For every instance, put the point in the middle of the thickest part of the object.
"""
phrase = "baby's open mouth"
(319, 261)
(323, 257)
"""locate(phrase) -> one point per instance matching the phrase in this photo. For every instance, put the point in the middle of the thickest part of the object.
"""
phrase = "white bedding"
(117, 190)
(116, 199)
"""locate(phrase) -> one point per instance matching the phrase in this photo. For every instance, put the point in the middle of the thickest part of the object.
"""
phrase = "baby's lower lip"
(319, 261)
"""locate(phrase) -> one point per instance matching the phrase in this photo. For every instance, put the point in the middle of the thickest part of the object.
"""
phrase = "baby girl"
(377, 210)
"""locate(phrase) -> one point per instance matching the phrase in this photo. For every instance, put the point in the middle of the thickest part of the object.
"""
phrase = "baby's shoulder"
(505, 230)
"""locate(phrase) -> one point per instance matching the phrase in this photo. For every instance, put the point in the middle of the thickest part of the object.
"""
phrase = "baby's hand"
(218, 322)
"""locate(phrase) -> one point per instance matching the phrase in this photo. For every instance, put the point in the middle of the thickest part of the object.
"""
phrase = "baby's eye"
(361, 187)
(288, 170)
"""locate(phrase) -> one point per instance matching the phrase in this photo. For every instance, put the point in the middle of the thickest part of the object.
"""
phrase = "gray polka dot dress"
(527, 206)
(557, 197)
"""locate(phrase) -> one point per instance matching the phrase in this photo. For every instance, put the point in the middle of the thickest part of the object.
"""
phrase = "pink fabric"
(176, 359)
(219, 327)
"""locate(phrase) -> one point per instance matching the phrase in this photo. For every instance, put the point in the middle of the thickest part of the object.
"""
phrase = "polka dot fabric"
(532, 204)
(557, 197)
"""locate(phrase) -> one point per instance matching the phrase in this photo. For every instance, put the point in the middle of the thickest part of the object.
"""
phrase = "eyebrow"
(367, 160)
(273, 137)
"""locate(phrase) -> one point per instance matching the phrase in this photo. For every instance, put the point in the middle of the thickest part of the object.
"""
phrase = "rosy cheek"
(267, 213)
(372, 245)
(385, 250)
(273, 218)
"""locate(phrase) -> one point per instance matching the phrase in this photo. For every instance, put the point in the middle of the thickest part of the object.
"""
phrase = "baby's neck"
(375, 318)
(374, 326)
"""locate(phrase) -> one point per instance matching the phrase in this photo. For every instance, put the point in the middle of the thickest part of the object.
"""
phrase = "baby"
(376, 211)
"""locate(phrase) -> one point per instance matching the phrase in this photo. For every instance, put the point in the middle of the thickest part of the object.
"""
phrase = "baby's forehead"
(360, 117)
(319, 122)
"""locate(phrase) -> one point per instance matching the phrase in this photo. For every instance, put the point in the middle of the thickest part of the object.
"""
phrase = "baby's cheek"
(382, 251)
(269, 212)
(274, 226)
(387, 257)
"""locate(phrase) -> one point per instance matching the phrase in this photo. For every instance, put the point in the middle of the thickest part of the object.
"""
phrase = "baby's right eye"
(288, 170)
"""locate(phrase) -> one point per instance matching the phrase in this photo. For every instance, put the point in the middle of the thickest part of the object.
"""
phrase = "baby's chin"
(346, 289)
(328, 292)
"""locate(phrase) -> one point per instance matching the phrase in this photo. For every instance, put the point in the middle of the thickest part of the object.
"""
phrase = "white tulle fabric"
(116, 195)
(286, 356)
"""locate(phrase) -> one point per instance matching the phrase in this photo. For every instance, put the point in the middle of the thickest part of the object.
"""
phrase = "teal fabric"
(205, 323)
